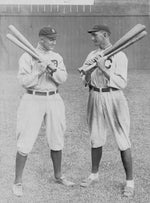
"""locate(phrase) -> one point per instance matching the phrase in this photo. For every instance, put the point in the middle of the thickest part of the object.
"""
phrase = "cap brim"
(90, 31)
(53, 36)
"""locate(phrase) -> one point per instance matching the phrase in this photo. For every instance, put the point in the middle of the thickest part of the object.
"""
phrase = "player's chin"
(51, 47)
(96, 43)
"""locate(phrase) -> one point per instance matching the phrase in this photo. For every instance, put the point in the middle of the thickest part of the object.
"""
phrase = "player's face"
(47, 43)
(98, 38)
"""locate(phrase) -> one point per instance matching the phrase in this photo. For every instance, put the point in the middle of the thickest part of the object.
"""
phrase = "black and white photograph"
(75, 101)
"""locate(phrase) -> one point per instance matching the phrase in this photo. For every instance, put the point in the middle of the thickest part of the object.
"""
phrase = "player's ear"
(105, 34)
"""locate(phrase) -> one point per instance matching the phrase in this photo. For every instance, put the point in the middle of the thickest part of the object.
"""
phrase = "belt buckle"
(46, 93)
(100, 89)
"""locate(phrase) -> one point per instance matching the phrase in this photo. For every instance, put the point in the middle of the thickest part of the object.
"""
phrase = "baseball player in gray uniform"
(41, 101)
(107, 106)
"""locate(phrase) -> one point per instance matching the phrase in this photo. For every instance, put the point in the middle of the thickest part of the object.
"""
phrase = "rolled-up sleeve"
(60, 75)
(26, 76)
(118, 78)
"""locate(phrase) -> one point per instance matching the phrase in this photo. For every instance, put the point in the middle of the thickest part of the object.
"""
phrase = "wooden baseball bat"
(127, 44)
(20, 37)
(137, 29)
(125, 38)
(24, 44)
(21, 45)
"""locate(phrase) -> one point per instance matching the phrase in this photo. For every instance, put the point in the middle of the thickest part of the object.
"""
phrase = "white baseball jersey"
(109, 108)
(34, 108)
(28, 72)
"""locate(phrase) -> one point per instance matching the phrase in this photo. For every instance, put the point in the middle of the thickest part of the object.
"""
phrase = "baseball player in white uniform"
(41, 101)
(107, 106)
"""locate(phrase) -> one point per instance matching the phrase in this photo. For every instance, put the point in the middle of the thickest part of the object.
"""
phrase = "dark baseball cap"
(48, 32)
(101, 27)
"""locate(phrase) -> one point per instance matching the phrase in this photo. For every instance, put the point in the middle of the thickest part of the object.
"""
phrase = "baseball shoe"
(18, 189)
(62, 180)
(88, 181)
(128, 192)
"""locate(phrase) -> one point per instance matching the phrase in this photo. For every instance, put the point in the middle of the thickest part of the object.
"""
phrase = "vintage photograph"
(74, 101)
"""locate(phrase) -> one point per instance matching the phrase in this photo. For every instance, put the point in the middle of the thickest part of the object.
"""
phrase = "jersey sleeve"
(26, 75)
(118, 78)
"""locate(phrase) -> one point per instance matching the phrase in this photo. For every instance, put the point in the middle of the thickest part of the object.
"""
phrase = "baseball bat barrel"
(17, 42)
(136, 38)
(20, 37)
(125, 38)
(129, 43)
(22, 46)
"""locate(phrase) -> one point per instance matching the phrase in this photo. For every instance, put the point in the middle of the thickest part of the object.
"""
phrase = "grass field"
(39, 185)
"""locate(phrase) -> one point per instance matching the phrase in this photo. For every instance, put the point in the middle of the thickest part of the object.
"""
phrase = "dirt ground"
(39, 185)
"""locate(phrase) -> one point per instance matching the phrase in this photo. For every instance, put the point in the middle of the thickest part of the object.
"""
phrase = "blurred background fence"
(72, 23)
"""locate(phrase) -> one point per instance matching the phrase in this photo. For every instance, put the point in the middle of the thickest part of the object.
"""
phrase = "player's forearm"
(28, 80)
(59, 76)
(118, 81)
(106, 73)
(114, 79)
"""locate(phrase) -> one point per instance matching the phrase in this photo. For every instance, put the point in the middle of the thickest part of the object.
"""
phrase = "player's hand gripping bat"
(134, 35)
(18, 39)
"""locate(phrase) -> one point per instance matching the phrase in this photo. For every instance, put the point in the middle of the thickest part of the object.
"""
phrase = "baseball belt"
(34, 92)
(104, 89)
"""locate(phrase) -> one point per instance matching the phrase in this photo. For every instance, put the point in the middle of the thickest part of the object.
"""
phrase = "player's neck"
(108, 45)
(105, 46)
(42, 48)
